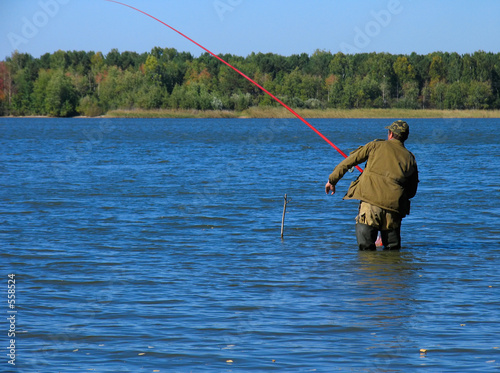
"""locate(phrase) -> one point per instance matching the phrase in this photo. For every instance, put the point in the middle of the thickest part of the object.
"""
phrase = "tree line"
(72, 83)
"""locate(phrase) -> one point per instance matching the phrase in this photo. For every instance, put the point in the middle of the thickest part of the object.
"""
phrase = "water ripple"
(160, 250)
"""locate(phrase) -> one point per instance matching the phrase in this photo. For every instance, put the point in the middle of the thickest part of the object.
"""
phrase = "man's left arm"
(356, 157)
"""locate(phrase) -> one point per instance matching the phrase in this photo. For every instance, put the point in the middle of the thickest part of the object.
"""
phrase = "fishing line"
(245, 76)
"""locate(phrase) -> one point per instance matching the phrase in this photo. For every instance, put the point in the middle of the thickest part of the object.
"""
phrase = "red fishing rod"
(243, 75)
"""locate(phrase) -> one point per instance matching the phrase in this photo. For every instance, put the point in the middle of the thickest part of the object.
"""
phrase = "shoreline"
(278, 112)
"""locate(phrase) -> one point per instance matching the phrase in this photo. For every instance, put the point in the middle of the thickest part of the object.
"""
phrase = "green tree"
(468, 68)
(135, 90)
(97, 72)
(438, 93)
(353, 93)
(336, 94)
(479, 95)
(79, 62)
(22, 71)
(132, 60)
(241, 101)
(89, 107)
(109, 93)
(298, 87)
(425, 98)
(454, 67)
(319, 63)
(330, 82)
(113, 58)
(61, 98)
(192, 97)
(270, 85)
(403, 70)
(150, 96)
(152, 69)
(409, 100)
(455, 96)
(21, 99)
(340, 66)
(421, 64)
(45, 61)
(228, 82)
(484, 65)
(59, 60)
(288, 64)
(40, 92)
(437, 69)
(367, 91)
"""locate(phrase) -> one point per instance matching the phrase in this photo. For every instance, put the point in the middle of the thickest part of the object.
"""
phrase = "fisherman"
(384, 188)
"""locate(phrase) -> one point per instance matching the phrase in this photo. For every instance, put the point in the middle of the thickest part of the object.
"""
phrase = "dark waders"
(367, 236)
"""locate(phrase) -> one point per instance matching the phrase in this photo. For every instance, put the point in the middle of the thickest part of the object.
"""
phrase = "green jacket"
(390, 177)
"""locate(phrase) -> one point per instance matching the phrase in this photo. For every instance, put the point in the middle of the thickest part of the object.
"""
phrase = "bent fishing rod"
(245, 76)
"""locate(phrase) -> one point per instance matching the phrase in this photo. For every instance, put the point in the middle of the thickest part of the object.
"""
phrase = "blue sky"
(244, 26)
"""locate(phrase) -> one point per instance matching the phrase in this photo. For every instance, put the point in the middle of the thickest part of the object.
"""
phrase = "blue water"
(154, 246)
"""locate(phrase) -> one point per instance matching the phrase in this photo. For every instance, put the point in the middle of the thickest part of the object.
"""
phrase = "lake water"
(154, 246)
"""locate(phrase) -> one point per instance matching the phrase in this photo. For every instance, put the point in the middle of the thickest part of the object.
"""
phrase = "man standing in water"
(384, 188)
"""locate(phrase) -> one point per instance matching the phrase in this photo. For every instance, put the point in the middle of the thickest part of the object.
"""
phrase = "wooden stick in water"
(283, 218)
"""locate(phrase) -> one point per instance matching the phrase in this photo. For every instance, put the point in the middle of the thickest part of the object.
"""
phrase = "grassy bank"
(371, 113)
(168, 113)
(277, 112)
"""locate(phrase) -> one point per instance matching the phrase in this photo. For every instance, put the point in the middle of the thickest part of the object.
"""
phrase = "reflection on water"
(387, 276)
(386, 280)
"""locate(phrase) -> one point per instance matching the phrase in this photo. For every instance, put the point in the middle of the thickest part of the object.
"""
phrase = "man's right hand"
(329, 188)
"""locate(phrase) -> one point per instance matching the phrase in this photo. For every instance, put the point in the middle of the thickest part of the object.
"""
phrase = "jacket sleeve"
(356, 157)
(412, 184)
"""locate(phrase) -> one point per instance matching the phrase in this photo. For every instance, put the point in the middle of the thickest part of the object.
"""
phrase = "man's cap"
(399, 127)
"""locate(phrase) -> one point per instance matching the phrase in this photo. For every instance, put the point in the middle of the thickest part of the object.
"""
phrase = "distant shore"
(278, 112)
(305, 113)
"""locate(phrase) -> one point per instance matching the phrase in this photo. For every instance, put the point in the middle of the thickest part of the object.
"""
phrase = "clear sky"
(241, 27)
